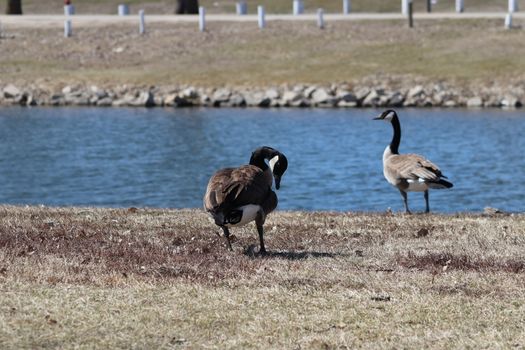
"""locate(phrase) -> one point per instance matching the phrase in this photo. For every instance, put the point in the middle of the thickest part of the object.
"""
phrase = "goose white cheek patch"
(273, 161)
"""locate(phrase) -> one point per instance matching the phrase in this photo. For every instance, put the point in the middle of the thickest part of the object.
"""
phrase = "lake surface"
(164, 157)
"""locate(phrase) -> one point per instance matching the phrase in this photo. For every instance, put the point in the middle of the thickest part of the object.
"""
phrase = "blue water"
(164, 157)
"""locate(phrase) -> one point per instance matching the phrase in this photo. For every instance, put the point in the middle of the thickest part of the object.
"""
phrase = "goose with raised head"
(409, 172)
(237, 196)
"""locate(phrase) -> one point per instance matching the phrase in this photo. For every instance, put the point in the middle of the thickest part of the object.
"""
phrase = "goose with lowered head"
(237, 196)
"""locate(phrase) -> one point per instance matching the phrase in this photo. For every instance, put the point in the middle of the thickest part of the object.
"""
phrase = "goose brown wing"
(414, 166)
(214, 195)
(234, 187)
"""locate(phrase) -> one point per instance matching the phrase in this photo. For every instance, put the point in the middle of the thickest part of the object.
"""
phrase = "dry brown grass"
(151, 278)
(462, 52)
(272, 6)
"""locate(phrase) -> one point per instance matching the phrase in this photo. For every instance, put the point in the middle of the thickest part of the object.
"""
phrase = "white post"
(298, 7)
(320, 18)
(67, 28)
(69, 10)
(347, 7)
(404, 7)
(260, 16)
(242, 7)
(508, 21)
(202, 19)
(142, 26)
(123, 10)
(460, 6)
(513, 5)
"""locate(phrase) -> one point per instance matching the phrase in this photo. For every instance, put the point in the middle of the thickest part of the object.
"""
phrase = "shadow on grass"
(290, 255)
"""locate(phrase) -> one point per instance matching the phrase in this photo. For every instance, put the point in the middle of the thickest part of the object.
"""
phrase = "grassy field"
(141, 278)
(474, 52)
(272, 6)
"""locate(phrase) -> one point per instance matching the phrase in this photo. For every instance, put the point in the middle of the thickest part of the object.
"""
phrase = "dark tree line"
(14, 7)
(187, 7)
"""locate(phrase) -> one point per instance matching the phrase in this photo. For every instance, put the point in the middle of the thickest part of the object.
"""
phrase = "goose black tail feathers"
(440, 184)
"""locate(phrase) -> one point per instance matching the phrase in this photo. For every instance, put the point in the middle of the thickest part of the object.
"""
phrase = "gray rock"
(492, 211)
(77, 100)
(158, 100)
(439, 97)
(372, 99)
(67, 90)
(416, 97)
(415, 92)
(475, 102)
(303, 102)
(145, 99)
(220, 96)
(361, 94)
(236, 100)
(510, 102)
(31, 100)
(309, 91)
(118, 103)
(190, 93)
(181, 101)
(450, 103)
(396, 99)
(426, 102)
(125, 100)
(101, 94)
(290, 97)
(257, 99)
(346, 104)
(169, 100)
(93, 100)
(273, 94)
(105, 102)
(345, 95)
(204, 100)
(492, 101)
(321, 96)
(57, 100)
(276, 103)
(11, 91)
(20, 99)
(346, 99)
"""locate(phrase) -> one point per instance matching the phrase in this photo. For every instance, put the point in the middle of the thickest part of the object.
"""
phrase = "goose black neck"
(396, 139)
(259, 156)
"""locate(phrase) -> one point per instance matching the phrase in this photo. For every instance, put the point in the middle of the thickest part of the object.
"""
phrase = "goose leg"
(227, 236)
(427, 210)
(259, 222)
(405, 200)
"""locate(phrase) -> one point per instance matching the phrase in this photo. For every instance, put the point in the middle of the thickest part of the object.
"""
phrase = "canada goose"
(237, 196)
(408, 172)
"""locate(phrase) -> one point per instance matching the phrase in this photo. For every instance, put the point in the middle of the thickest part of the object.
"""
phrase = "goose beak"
(377, 118)
(277, 182)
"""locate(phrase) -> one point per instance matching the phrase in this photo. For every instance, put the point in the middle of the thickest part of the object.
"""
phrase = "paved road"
(101, 20)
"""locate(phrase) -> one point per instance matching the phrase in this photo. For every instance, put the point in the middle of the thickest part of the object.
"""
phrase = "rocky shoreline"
(299, 95)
